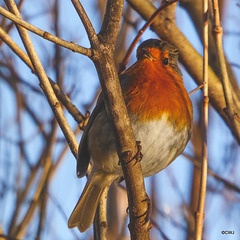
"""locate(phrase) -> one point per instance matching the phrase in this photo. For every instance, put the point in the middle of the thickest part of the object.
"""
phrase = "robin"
(161, 116)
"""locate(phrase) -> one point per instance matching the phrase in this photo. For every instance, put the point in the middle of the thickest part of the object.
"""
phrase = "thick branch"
(111, 22)
(125, 143)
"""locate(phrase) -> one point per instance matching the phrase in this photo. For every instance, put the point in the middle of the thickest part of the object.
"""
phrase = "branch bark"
(205, 100)
(100, 220)
(92, 36)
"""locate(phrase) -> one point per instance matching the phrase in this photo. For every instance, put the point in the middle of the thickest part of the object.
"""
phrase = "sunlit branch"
(72, 46)
(92, 36)
(203, 183)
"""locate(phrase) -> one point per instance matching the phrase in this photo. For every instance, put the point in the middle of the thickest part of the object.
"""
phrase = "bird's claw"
(138, 156)
(148, 211)
(146, 214)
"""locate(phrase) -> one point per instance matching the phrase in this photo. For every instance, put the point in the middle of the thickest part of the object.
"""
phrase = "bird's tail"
(83, 213)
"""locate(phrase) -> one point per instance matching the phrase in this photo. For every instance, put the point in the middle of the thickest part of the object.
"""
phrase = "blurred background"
(38, 183)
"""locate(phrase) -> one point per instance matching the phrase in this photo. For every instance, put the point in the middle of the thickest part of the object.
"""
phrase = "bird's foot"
(137, 157)
(146, 214)
(148, 211)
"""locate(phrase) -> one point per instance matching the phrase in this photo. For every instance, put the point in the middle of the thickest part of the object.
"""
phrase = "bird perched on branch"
(161, 116)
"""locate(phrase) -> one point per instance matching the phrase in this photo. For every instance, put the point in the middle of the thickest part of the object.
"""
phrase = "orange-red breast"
(161, 115)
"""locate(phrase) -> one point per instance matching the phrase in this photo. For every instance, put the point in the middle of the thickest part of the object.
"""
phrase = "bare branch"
(92, 36)
(100, 220)
(111, 23)
(196, 89)
(72, 46)
(203, 183)
(194, 9)
(125, 142)
(9, 27)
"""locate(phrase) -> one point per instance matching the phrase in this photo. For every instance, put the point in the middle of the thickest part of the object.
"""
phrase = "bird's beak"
(147, 54)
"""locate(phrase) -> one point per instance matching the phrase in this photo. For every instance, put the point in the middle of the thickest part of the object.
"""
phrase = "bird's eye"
(165, 61)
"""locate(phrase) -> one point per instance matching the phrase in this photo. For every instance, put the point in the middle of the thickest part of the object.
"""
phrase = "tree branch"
(194, 9)
(72, 46)
(205, 100)
(92, 36)
(111, 23)
(100, 220)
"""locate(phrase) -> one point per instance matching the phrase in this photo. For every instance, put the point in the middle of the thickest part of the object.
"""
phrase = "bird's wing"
(83, 151)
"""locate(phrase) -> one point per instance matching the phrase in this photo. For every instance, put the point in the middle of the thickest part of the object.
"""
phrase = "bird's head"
(160, 51)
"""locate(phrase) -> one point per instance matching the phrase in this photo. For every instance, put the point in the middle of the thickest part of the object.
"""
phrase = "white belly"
(160, 142)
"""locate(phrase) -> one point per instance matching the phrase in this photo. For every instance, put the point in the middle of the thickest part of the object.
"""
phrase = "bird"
(161, 116)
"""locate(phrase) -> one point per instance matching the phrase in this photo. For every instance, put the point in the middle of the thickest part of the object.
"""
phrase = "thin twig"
(140, 33)
(203, 183)
(19, 231)
(92, 36)
(227, 183)
(196, 89)
(72, 46)
(100, 220)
